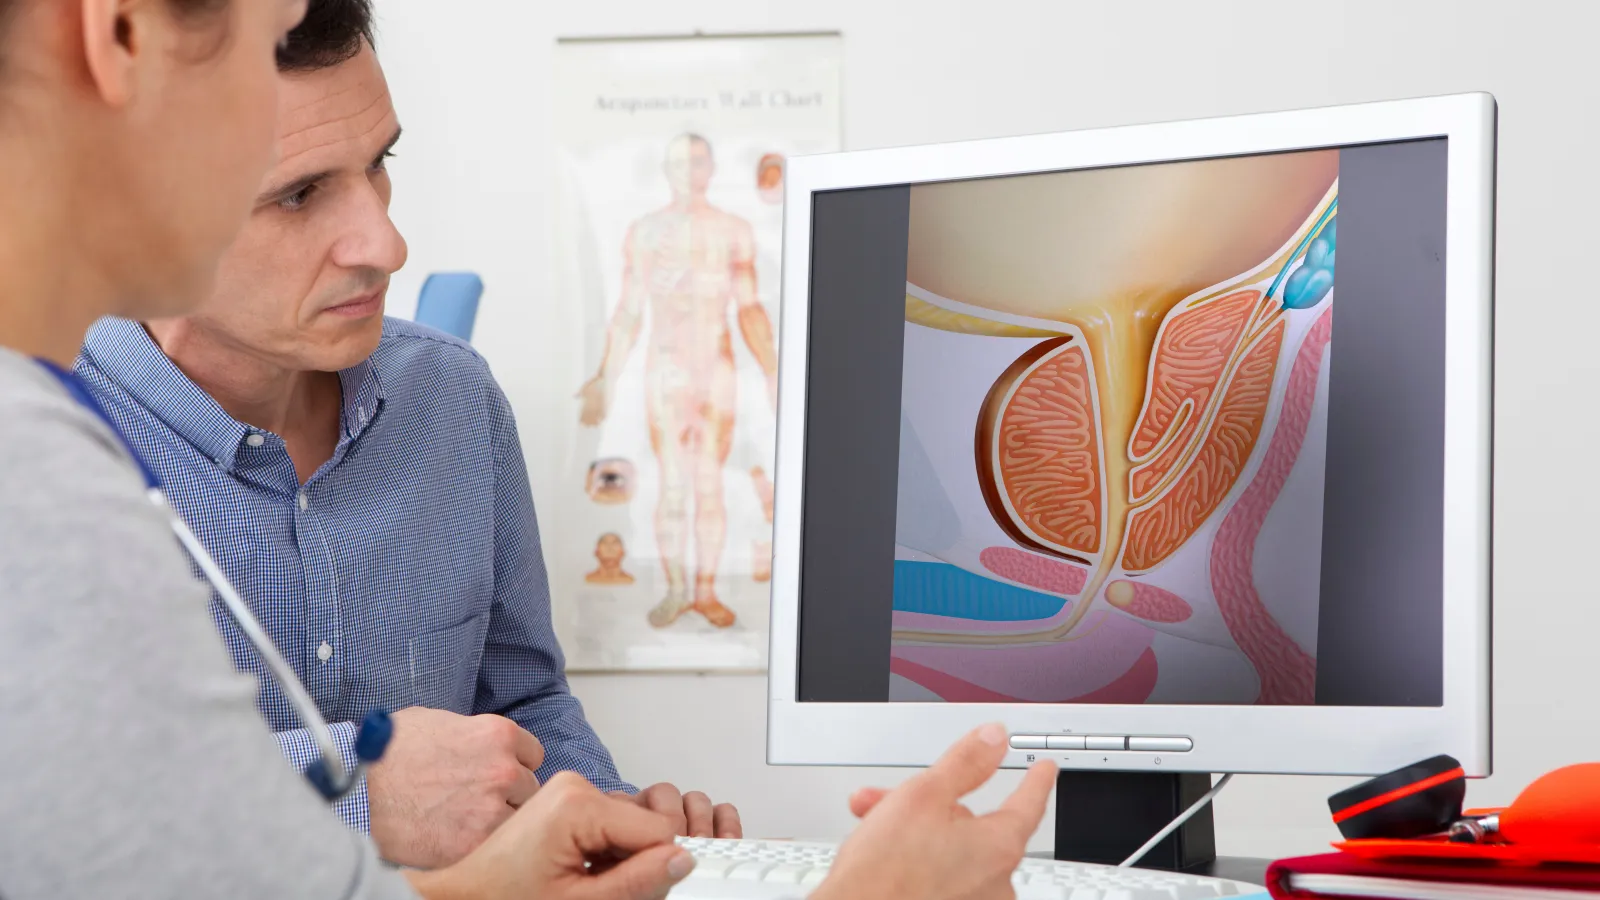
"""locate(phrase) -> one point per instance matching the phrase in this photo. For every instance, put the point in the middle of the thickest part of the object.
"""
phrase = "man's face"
(689, 165)
(304, 285)
(609, 551)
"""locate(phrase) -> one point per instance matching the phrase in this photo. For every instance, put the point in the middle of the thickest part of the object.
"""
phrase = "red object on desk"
(1554, 820)
(1561, 807)
(1502, 853)
(1532, 880)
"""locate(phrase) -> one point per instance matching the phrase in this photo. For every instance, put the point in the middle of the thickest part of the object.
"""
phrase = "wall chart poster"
(671, 161)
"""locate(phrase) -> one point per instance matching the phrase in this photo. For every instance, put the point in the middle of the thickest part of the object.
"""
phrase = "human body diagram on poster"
(685, 266)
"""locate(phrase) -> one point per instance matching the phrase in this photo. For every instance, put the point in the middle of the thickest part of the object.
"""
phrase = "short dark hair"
(332, 32)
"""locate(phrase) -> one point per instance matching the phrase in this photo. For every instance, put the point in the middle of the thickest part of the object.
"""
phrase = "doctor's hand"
(919, 841)
(570, 842)
(692, 814)
(446, 782)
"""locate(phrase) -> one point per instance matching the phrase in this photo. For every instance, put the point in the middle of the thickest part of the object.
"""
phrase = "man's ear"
(117, 34)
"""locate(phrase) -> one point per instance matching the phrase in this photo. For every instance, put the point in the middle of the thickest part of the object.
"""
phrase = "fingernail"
(680, 866)
(993, 734)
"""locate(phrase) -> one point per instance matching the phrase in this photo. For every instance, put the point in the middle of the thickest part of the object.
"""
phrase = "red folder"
(1342, 875)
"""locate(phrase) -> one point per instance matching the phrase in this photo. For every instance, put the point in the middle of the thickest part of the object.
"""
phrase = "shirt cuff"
(301, 750)
(612, 785)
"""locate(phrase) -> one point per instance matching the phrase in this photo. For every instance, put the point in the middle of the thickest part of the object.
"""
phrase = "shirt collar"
(125, 352)
(363, 396)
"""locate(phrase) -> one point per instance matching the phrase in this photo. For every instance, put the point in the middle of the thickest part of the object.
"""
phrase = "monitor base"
(1103, 817)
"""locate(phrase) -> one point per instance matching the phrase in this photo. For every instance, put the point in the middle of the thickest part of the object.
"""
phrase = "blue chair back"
(449, 302)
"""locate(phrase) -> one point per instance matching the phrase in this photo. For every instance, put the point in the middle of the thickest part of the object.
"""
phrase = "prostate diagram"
(1165, 331)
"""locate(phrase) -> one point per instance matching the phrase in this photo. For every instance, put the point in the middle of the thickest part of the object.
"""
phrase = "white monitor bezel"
(1302, 740)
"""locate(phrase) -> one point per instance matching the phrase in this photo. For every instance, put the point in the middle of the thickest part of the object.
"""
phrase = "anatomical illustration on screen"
(1113, 433)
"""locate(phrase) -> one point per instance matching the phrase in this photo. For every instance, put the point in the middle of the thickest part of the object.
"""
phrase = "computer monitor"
(1166, 445)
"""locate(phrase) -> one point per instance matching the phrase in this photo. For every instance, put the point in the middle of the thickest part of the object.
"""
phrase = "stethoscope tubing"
(327, 773)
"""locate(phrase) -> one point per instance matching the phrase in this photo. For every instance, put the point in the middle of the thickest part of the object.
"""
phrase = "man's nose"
(370, 239)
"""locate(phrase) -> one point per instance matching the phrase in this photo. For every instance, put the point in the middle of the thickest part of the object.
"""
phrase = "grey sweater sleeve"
(133, 762)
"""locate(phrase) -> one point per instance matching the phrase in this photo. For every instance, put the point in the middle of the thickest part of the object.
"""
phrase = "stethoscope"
(327, 773)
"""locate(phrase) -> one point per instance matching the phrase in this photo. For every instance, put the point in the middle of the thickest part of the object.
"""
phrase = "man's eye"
(297, 199)
(381, 164)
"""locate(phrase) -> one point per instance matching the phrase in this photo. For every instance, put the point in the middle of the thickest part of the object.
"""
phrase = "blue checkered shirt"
(406, 572)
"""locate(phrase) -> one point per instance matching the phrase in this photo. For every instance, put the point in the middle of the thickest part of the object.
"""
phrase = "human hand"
(919, 841)
(595, 396)
(569, 842)
(446, 782)
(692, 813)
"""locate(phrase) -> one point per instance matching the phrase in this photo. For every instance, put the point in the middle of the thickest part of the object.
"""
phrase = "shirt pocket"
(444, 666)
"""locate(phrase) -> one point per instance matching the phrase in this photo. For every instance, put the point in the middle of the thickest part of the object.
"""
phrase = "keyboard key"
(787, 873)
(749, 871)
(713, 866)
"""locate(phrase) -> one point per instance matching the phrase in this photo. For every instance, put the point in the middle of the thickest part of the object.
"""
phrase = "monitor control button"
(1027, 742)
(1161, 744)
(1066, 742)
(1102, 742)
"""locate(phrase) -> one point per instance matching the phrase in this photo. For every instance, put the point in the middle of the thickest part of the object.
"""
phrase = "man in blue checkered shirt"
(360, 479)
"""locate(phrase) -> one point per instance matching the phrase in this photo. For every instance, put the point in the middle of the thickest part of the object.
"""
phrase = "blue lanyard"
(80, 393)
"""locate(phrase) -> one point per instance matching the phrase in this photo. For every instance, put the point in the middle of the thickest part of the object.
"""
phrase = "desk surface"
(1237, 868)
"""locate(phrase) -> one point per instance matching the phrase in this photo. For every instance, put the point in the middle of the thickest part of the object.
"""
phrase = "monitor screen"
(1158, 434)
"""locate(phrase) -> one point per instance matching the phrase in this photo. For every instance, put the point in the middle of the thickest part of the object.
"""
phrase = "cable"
(1177, 823)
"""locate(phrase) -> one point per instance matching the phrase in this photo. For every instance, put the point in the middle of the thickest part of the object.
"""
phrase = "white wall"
(471, 79)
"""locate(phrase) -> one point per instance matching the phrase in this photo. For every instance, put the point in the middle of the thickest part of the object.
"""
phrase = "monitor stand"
(1102, 817)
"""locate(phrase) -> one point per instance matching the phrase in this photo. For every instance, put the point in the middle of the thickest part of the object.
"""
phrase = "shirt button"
(325, 652)
(255, 440)
(304, 503)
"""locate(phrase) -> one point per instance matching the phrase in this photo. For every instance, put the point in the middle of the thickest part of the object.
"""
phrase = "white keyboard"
(780, 870)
